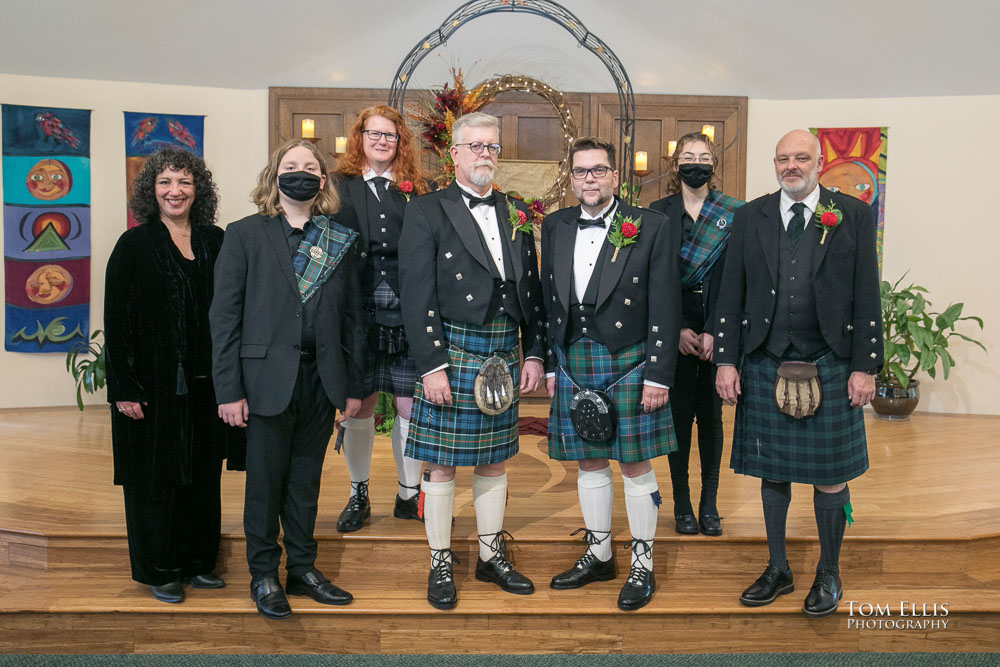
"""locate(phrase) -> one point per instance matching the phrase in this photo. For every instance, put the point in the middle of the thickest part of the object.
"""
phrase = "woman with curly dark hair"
(377, 176)
(167, 439)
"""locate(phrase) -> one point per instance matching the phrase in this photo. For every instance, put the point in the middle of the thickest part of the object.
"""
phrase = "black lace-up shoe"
(768, 587)
(638, 589)
(824, 595)
(587, 569)
(441, 581)
(685, 524)
(358, 509)
(406, 509)
(499, 571)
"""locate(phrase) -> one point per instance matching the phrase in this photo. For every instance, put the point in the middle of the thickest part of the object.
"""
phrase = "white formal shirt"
(589, 241)
(486, 217)
(369, 174)
(811, 201)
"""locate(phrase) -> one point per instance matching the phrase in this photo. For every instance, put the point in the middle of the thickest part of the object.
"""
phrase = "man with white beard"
(798, 339)
(469, 279)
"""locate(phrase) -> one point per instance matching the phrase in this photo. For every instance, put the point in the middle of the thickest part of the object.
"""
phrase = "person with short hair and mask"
(705, 217)
(286, 348)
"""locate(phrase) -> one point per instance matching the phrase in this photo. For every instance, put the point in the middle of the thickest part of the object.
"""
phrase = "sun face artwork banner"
(46, 228)
(855, 159)
(146, 133)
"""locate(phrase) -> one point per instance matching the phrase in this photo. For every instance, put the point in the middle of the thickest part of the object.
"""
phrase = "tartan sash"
(708, 236)
(322, 248)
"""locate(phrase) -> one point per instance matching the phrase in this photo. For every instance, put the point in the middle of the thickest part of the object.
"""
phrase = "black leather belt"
(307, 354)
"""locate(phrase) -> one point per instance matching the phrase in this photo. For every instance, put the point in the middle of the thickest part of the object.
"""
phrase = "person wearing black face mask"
(705, 216)
(286, 343)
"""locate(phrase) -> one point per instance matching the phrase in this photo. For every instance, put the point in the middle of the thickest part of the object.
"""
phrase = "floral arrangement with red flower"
(827, 219)
(624, 232)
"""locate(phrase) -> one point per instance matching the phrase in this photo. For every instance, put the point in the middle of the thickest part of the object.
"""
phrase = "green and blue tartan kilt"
(638, 436)
(827, 448)
(392, 373)
(460, 434)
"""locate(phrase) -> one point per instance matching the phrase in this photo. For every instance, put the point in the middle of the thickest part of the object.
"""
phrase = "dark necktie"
(379, 182)
(489, 200)
(797, 224)
(590, 222)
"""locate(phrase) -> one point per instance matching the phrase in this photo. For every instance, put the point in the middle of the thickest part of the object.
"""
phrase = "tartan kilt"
(827, 448)
(392, 373)
(638, 436)
(460, 434)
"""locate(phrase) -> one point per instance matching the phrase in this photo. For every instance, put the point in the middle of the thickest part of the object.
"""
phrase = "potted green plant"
(915, 339)
(85, 362)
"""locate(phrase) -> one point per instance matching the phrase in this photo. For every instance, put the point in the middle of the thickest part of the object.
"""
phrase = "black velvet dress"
(159, 354)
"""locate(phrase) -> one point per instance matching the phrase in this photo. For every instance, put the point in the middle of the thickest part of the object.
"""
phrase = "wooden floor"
(927, 531)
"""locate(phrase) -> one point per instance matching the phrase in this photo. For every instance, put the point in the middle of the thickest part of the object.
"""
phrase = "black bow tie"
(590, 222)
(489, 200)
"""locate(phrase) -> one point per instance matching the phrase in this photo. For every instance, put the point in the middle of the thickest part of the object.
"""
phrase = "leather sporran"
(494, 387)
(796, 389)
(593, 415)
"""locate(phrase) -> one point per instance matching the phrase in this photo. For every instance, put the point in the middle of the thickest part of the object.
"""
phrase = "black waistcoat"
(384, 218)
(504, 299)
(582, 313)
(795, 332)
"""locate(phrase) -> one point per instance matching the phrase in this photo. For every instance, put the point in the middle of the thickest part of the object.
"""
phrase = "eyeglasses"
(478, 146)
(579, 173)
(375, 135)
(691, 158)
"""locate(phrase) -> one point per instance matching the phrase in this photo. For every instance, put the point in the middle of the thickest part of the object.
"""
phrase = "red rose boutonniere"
(518, 220)
(624, 231)
(406, 189)
(827, 218)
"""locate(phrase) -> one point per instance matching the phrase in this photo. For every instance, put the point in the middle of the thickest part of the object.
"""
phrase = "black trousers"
(284, 464)
(173, 532)
(694, 397)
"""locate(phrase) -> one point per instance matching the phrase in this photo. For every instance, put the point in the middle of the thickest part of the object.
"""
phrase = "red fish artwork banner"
(146, 133)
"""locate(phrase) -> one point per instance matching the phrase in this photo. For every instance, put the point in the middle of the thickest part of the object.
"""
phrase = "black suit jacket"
(673, 207)
(256, 320)
(845, 282)
(444, 273)
(639, 296)
(354, 213)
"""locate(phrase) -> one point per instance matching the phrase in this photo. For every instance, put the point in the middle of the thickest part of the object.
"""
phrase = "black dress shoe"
(270, 598)
(207, 580)
(826, 591)
(318, 587)
(440, 580)
(685, 524)
(172, 592)
(499, 571)
(768, 587)
(357, 510)
(638, 589)
(709, 524)
(406, 509)
(586, 570)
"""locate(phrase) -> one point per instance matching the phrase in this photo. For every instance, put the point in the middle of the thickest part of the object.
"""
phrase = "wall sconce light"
(340, 145)
(308, 128)
(671, 147)
(708, 131)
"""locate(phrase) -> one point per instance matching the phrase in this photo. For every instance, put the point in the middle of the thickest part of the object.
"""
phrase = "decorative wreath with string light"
(454, 100)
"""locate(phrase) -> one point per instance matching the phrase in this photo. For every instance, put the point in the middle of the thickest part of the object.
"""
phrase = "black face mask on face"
(299, 185)
(695, 175)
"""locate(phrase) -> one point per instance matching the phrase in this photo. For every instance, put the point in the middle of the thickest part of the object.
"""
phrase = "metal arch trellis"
(552, 11)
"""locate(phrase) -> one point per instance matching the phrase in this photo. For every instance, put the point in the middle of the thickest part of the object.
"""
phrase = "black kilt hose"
(460, 434)
(827, 448)
(639, 436)
(392, 373)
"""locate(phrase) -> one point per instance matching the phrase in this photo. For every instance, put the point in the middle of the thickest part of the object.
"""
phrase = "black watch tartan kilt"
(392, 373)
(638, 436)
(827, 448)
(460, 434)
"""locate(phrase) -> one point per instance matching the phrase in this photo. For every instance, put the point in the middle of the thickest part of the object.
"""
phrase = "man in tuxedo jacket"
(469, 282)
(800, 284)
(286, 351)
(612, 290)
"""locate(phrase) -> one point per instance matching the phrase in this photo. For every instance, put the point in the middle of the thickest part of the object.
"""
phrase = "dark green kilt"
(827, 448)
(460, 434)
(638, 436)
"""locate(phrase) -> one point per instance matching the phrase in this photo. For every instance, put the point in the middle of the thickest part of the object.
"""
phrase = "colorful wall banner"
(46, 227)
(855, 165)
(146, 133)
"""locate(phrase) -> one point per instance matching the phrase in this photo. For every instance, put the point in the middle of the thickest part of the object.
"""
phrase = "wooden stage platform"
(927, 533)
